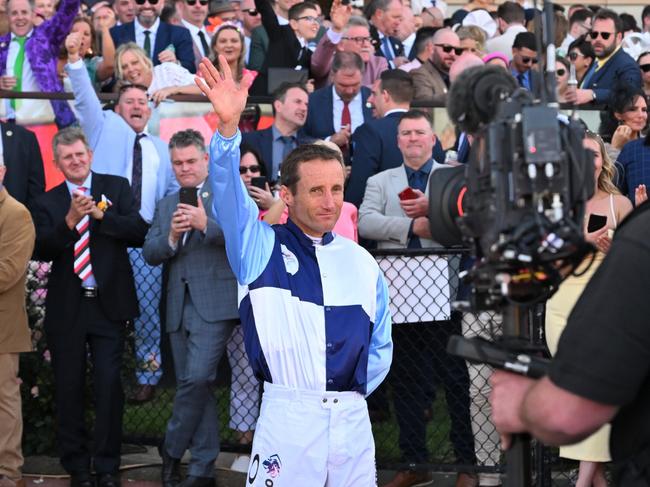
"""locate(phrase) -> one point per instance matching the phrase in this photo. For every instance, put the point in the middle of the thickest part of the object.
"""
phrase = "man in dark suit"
(612, 64)
(338, 109)
(25, 179)
(374, 144)
(156, 37)
(385, 17)
(524, 60)
(290, 103)
(192, 245)
(288, 44)
(85, 226)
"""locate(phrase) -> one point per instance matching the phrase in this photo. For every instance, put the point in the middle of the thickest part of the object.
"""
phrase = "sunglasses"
(252, 12)
(446, 48)
(528, 60)
(561, 72)
(245, 169)
(645, 67)
(594, 35)
(191, 3)
(574, 55)
(142, 2)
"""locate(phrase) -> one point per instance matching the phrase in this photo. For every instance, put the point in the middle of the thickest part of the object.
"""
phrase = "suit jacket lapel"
(267, 152)
(367, 111)
(329, 104)
(162, 40)
(8, 145)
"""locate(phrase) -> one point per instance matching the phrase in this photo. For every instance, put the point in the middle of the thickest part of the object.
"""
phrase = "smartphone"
(407, 194)
(596, 222)
(259, 182)
(188, 196)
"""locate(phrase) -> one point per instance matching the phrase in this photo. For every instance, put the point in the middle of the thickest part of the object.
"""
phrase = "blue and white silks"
(314, 317)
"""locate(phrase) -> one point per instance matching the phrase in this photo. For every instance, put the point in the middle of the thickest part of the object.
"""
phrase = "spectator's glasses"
(574, 55)
(191, 3)
(594, 35)
(359, 40)
(561, 72)
(528, 60)
(309, 18)
(142, 2)
(446, 48)
(245, 169)
(645, 67)
(252, 12)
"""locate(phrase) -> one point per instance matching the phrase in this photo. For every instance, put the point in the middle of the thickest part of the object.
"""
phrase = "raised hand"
(339, 15)
(72, 45)
(640, 195)
(228, 97)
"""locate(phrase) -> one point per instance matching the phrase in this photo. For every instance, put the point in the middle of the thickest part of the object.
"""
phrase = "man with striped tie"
(85, 226)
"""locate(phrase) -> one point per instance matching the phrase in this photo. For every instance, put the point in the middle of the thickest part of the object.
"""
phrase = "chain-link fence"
(431, 412)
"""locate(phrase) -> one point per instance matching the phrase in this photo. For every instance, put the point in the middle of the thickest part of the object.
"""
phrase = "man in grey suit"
(394, 212)
(201, 310)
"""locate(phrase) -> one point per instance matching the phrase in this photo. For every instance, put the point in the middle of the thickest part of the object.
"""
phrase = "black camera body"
(519, 201)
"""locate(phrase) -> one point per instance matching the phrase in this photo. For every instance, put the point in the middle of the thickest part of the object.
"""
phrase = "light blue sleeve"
(86, 103)
(380, 354)
(249, 241)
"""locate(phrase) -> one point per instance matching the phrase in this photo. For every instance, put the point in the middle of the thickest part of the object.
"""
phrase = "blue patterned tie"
(387, 50)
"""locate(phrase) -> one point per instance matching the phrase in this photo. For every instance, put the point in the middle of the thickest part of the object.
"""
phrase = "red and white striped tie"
(82, 266)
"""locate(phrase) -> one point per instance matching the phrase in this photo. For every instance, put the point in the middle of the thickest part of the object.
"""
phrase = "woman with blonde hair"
(608, 205)
(132, 65)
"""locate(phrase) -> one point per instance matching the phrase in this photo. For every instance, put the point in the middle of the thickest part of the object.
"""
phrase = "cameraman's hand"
(416, 207)
(506, 398)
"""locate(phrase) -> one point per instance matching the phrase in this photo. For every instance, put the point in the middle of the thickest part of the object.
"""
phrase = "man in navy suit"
(163, 42)
(374, 144)
(290, 103)
(336, 110)
(612, 64)
(385, 17)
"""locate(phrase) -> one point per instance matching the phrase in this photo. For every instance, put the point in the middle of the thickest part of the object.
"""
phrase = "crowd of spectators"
(354, 73)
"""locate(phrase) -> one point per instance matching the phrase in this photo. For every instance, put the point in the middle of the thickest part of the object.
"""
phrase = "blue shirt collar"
(428, 166)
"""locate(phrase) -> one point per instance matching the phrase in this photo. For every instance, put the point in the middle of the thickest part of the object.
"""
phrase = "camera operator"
(601, 371)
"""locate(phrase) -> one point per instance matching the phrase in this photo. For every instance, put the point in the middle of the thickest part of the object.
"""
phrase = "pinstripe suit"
(201, 313)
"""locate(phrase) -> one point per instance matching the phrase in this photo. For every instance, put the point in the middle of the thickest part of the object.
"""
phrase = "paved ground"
(142, 469)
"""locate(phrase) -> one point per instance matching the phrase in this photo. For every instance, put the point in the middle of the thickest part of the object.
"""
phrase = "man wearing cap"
(161, 41)
(511, 18)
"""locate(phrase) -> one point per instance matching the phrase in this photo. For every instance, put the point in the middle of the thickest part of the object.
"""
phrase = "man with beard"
(432, 78)
(290, 103)
(612, 65)
(347, 34)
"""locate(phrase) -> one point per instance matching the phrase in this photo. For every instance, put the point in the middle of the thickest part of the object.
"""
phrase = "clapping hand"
(228, 98)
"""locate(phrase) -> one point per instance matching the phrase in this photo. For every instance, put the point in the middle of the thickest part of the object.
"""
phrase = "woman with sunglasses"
(133, 66)
(627, 118)
(644, 65)
(250, 166)
(612, 207)
(561, 78)
(581, 55)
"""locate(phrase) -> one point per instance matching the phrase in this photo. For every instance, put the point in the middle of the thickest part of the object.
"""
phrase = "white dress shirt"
(356, 111)
(194, 32)
(139, 34)
(27, 110)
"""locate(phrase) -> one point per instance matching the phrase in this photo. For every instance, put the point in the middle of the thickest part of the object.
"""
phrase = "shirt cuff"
(172, 245)
(335, 37)
(78, 64)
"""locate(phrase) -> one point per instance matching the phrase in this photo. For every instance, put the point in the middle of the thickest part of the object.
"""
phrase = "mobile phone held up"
(407, 194)
(596, 222)
(188, 196)
(259, 182)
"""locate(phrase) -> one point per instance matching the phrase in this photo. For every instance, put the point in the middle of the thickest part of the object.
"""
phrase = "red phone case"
(407, 194)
